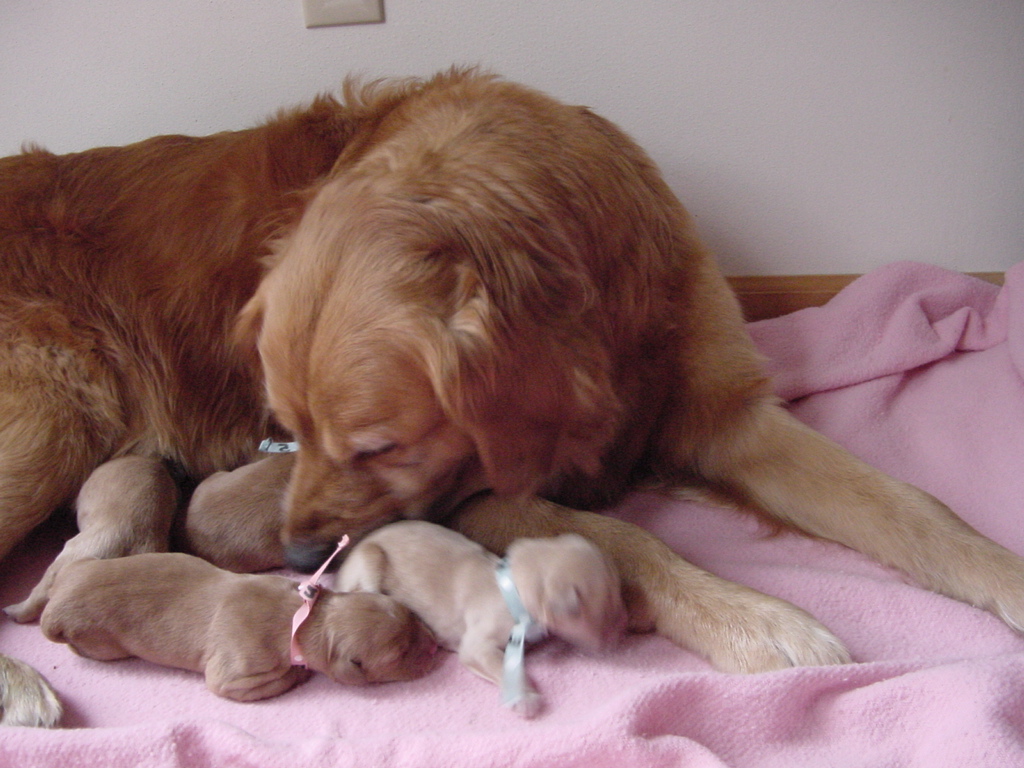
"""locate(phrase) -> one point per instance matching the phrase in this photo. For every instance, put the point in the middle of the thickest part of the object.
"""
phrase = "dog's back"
(124, 268)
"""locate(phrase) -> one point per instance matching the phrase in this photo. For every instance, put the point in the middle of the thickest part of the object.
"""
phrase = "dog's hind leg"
(50, 440)
(36, 476)
(46, 452)
(60, 414)
(27, 496)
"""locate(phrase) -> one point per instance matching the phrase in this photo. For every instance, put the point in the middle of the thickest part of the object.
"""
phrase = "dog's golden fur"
(472, 287)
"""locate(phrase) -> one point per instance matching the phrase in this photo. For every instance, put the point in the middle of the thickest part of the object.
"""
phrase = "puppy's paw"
(29, 609)
(79, 547)
(528, 705)
(25, 696)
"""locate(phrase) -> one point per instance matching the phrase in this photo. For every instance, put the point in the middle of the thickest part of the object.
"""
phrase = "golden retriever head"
(427, 330)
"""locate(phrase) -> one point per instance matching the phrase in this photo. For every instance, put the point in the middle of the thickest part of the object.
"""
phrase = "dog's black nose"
(307, 557)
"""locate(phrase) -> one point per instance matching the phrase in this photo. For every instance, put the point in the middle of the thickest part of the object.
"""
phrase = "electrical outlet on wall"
(327, 13)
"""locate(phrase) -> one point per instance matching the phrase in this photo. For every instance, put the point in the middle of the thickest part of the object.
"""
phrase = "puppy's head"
(569, 586)
(374, 639)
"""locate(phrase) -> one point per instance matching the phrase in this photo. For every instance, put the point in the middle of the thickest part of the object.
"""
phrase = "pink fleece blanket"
(916, 369)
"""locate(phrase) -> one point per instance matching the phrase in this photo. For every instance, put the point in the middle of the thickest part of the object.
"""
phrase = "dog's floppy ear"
(249, 323)
(536, 397)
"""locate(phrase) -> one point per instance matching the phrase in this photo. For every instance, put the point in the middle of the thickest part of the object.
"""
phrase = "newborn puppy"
(565, 584)
(179, 611)
(124, 508)
(234, 518)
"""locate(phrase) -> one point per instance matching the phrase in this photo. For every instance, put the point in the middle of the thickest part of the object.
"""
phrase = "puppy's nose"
(306, 557)
(423, 650)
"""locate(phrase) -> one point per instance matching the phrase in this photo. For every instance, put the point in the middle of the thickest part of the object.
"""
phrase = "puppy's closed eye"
(354, 673)
(568, 603)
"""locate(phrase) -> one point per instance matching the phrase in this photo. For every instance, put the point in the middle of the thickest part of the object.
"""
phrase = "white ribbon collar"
(272, 446)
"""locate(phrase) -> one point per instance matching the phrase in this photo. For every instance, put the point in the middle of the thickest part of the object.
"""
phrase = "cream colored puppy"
(568, 587)
(124, 508)
(179, 611)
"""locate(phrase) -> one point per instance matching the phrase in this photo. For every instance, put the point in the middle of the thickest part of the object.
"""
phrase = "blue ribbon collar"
(525, 629)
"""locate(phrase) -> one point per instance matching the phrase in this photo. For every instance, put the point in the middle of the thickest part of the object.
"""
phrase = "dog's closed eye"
(371, 453)
(370, 444)
(395, 455)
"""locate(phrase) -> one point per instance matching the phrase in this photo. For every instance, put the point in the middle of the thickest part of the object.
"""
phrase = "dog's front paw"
(741, 630)
(776, 636)
(989, 577)
(25, 696)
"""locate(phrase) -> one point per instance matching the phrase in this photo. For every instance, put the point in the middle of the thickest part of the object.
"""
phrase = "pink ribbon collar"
(310, 591)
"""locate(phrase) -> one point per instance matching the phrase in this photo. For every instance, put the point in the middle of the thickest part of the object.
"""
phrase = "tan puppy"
(179, 611)
(568, 587)
(234, 518)
(124, 508)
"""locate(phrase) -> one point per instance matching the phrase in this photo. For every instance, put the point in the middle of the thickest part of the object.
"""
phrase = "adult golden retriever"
(470, 287)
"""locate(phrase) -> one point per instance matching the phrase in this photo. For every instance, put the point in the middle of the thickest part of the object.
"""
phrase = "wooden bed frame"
(773, 295)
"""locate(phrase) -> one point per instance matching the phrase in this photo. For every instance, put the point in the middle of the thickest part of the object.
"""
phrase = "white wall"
(805, 135)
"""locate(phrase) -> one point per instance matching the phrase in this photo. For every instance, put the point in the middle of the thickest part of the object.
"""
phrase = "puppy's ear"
(534, 392)
(562, 602)
(365, 570)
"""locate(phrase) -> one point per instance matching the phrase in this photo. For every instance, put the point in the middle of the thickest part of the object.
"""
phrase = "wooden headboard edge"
(764, 296)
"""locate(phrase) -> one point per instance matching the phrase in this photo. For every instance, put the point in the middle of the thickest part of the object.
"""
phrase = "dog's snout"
(306, 557)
